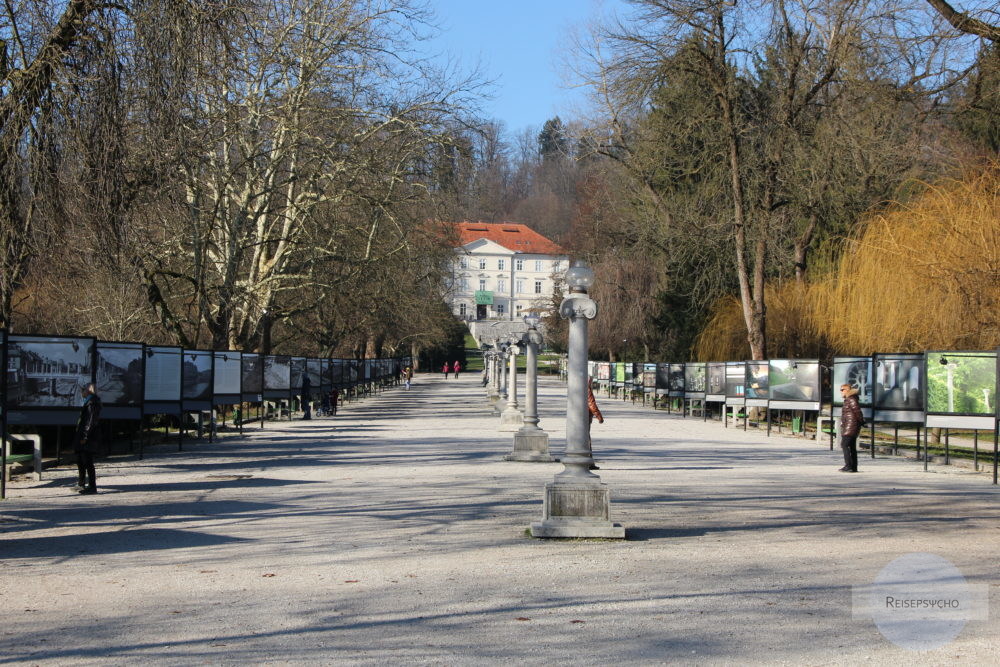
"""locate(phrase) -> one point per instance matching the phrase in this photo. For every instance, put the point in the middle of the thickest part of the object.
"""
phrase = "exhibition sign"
(277, 376)
(226, 376)
(313, 369)
(857, 372)
(251, 377)
(662, 378)
(675, 380)
(736, 377)
(898, 394)
(649, 377)
(197, 380)
(297, 370)
(162, 380)
(695, 374)
(603, 371)
(619, 368)
(715, 382)
(44, 377)
(119, 373)
(794, 384)
(961, 390)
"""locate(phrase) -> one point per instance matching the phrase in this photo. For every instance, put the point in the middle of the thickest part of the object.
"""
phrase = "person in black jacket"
(851, 420)
(85, 440)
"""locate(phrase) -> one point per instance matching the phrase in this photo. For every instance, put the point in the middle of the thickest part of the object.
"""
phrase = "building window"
(538, 287)
(482, 285)
(556, 266)
(519, 264)
(461, 309)
(463, 263)
(463, 284)
(501, 263)
(502, 286)
(519, 286)
(499, 309)
(538, 265)
(518, 308)
(482, 263)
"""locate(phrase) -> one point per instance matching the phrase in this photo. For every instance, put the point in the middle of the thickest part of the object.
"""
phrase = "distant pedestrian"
(444, 369)
(851, 421)
(334, 399)
(456, 368)
(85, 440)
(306, 396)
(407, 376)
(593, 411)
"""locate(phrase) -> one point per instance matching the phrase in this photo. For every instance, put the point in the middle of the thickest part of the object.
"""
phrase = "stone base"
(511, 420)
(577, 510)
(531, 447)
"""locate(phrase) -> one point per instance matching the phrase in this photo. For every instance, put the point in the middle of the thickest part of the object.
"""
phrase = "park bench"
(35, 457)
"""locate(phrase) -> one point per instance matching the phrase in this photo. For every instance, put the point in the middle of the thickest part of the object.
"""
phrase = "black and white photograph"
(277, 373)
(857, 372)
(298, 371)
(898, 384)
(252, 373)
(794, 380)
(48, 372)
(663, 376)
(676, 379)
(226, 374)
(716, 378)
(313, 370)
(758, 374)
(196, 375)
(694, 378)
(163, 374)
(736, 378)
(119, 373)
(337, 370)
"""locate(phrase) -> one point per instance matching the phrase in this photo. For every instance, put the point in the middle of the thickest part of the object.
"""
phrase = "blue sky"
(517, 44)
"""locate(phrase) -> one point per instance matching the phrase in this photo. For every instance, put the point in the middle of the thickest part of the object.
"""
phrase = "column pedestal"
(577, 510)
(531, 446)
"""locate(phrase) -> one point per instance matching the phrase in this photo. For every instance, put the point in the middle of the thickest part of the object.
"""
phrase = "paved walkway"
(394, 534)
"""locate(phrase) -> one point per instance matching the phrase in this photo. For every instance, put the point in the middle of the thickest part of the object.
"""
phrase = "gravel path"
(394, 534)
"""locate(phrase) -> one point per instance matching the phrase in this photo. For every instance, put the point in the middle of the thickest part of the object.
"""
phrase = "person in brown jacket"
(594, 412)
(851, 420)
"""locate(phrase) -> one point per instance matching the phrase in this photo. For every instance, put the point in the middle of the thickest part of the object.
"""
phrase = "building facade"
(504, 270)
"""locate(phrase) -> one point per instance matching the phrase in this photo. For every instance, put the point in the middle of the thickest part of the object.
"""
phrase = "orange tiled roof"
(511, 235)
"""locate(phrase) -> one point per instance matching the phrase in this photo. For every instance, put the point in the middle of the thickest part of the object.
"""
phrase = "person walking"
(444, 369)
(85, 440)
(593, 411)
(407, 376)
(456, 367)
(851, 421)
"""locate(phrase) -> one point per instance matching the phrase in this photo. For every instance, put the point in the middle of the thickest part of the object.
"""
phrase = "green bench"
(35, 457)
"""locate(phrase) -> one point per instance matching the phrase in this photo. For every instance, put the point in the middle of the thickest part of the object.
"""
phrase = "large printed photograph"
(794, 380)
(48, 372)
(962, 383)
(758, 377)
(736, 377)
(119, 373)
(196, 375)
(716, 378)
(855, 371)
(676, 379)
(277, 373)
(226, 375)
(252, 373)
(898, 382)
(694, 378)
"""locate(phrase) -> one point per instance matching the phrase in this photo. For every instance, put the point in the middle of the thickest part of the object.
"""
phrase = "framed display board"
(326, 375)
(368, 369)
(277, 376)
(603, 371)
(337, 373)
(694, 379)
(649, 378)
(353, 368)
(197, 380)
(898, 394)
(794, 384)
(961, 390)
(163, 380)
(618, 368)
(715, 382)
(757, 394)
(675, 380)
(857, 372)
(628, 369)
(251, 377)
(120, 379)
(44, 377)
(736, 378)
(227, 372)
(662, 378)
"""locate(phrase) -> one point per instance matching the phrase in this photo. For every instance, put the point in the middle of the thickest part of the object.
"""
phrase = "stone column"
(511, 419)
(531, 443)
(576, 503)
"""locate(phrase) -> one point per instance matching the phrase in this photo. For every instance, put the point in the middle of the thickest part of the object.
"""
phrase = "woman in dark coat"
(85, 440)
(851, 419)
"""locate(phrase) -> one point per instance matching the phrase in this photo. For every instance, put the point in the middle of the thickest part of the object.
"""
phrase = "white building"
(503, 270)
